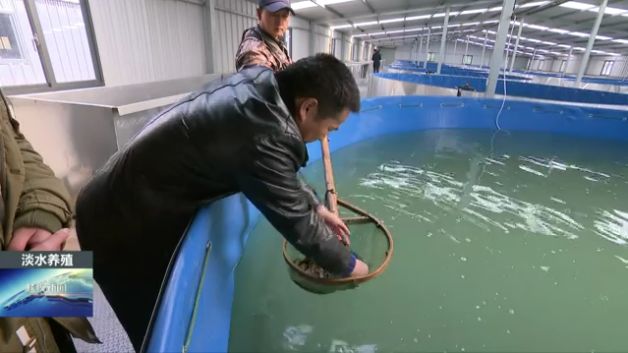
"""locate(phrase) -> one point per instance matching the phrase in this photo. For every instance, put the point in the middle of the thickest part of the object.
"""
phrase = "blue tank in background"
(475, 71)
(476, 81)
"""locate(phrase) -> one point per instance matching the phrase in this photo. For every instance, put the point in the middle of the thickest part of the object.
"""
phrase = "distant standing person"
(377, 60)
(264, 43)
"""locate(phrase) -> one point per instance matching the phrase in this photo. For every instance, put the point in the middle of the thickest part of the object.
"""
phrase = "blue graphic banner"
(46, 284)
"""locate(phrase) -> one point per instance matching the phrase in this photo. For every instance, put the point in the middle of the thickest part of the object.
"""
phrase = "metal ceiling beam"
(565, 40)
(424, 25)
(369, 6)
(583, 24)
(418, 10)
(543, 35)
(524, 12)
(532, 11)
(491, 16)
(333, 11)
(579, 26)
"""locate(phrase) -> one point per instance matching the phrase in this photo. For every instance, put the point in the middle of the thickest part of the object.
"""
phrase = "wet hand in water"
(360, 269)
(335, 223)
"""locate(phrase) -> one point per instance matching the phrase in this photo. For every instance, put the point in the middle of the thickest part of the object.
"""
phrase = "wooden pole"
(330, 195)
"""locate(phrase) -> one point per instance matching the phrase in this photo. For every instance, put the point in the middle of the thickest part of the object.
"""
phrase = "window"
(431, 56)
(9, 47)
(467, 59)
(46, 45)
(563, 66)
(607, 68)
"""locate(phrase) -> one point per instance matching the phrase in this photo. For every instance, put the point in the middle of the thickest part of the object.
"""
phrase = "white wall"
(232, 18)
(556, 62)
(300, 38)
(455, 58)
(405, 52)
(593, 69)
(543, 64)
(574, 64)
(362, 51)
(338, 47)
(388, 55)
(342, 45)
(148, 40)
(320, 38)
(346, 47)
(596, 64)
(368, 53)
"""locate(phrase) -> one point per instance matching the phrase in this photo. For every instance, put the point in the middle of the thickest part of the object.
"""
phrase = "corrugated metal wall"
(148, 40)
(300, 38)
(346, 47)
(232, 18)
(321, 39)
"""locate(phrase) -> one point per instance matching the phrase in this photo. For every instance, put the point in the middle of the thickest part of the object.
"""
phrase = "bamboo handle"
(330, 195)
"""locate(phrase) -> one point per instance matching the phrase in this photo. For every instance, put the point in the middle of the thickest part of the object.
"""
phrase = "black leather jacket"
(234, 135)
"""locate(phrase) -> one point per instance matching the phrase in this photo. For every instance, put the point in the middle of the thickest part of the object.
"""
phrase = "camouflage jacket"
(258, 48)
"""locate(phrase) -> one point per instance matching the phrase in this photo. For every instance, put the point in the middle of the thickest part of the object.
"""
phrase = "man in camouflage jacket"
(264, 43)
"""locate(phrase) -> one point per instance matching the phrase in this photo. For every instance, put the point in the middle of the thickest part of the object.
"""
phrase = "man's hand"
(335, 223)
(360, 269)
(35, 239)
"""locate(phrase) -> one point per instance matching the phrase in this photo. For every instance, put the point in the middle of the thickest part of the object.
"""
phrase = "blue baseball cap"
(275, 5)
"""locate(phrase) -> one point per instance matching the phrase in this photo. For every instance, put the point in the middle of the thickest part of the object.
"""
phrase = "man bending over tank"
(242, 133)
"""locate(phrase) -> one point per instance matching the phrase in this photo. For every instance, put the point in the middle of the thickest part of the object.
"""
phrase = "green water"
(503, 243)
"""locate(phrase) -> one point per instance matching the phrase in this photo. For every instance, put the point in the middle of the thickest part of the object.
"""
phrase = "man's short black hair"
(323, 77)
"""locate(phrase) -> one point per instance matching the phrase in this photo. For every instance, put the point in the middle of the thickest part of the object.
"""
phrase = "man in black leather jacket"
(242, 133)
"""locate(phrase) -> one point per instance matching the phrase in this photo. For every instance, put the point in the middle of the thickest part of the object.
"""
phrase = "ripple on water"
(612, 226)
(340, 346)
(481, 202)
(296, 336)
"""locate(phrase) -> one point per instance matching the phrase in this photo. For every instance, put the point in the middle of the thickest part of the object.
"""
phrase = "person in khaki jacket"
(36, 215)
